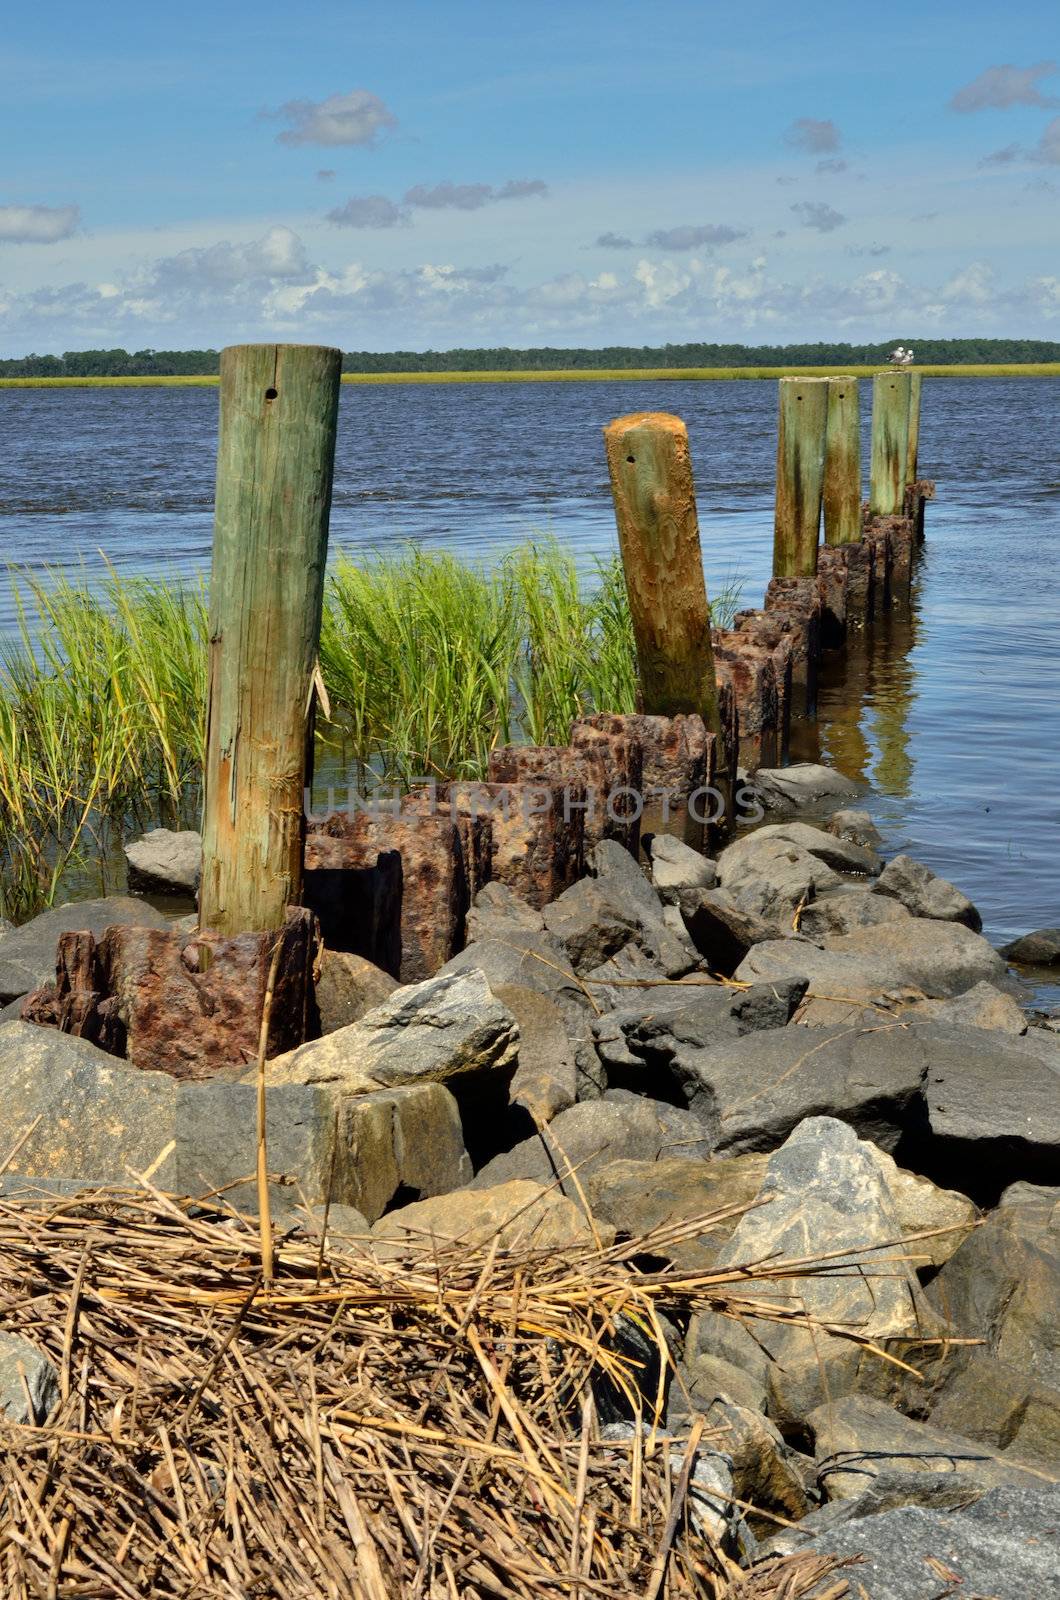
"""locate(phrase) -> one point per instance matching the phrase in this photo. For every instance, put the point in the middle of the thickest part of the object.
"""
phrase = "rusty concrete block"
(917, 494)
(680, 757)
(832, 580)
(189, 1004)
(861, 584)
(798, 600)
(608, 767)
(537, 833)
(775, 632)
(412, 932)
(877, 535)
(747, 665)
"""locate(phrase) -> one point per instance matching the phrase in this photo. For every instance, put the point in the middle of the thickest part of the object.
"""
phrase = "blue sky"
(471, 173)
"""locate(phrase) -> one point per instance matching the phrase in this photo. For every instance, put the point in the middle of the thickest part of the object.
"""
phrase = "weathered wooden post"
(800, 475)
(658, 535)
(890, 443)
(842, 464)
(276, 452)
(916, 383)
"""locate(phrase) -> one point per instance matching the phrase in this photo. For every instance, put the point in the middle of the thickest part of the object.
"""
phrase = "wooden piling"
(275, 458)
(658, 534)
(803, 420)
(842, 464)
(916, 383)
(890, 443)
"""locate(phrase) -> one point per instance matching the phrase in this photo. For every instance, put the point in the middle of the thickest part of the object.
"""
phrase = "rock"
(498, 913)
(841, 854)
(87, 1115)
(343, 1222)
(710, 1486)
(442, 1030)
(702, 1376)
(531, 960)
(857, 1437)
(788, 788)
(980, 1007)
(636, 1197)
(940, 959)
(373, 1149)
(676, 866)
(925, 895)
(857, 826)
(993, 1109)
(843, 988)
(823, 1194)
(27, 956)
(1023, 1194)
(1003, 1546)
(1003, 1286)
(763, 1468)
(845, 910)
(772, 879)
(524, 1215)
(599, 916)
(658, 1053)
(721, 931)
(921, 1205)
(765, 1084)
(12, 1012)
(349, 986)
(592, 1133)
(29, 1383)
(1038, 949)
(1001, 1406)
(164, 862)
(545, 1080)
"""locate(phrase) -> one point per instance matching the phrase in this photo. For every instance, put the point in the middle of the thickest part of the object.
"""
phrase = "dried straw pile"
(413, 1428)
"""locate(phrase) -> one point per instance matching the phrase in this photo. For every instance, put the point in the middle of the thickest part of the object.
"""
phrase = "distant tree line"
(194, 363)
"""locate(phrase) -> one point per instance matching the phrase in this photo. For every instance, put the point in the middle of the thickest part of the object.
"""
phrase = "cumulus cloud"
(614, 241)
(355, 118)
(368, 211)
(998, 88)
(472, 196)
(817, 137)
(37, 224)
(818, 214)
(690, 237)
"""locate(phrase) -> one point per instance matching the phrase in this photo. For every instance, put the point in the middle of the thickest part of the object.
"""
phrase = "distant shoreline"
(1032, 369)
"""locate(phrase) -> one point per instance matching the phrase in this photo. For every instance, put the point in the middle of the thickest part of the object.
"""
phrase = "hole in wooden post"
(270, 394)
(631, 459)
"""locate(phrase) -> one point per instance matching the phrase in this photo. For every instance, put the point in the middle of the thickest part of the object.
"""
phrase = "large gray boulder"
(857, 1437)
(855, 825)
(762, 1086)
(599, 916)
(721, 931)
(498, 913)
(837, 852)
(653, 1047)
(637, 1197)
(1003, 1546)
(447, 1028)
(27, 956)
(545, 1081)
(592, 1133)
(925, 895)
(29, 1383)
(165, 862)
(675, 866)
(1002, 1406)
(942, 958)
(823, 1197)
(804, 784)
(846, 910)
(86, 1115)
(520, 1214)
(772, 879)
(983, 1006)
(993, 1108)
(348, 987)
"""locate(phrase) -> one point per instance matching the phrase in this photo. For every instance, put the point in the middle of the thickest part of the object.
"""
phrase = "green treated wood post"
(916, 383)
(658, 535)
(803, 420)
(842, 464)
(890, 443)
(275, 457)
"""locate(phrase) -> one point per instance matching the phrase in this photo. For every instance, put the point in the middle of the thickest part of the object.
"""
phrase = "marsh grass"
(429, 662)
(1028, 369)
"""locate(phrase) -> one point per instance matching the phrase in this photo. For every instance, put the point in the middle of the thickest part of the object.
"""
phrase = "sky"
(444, 173)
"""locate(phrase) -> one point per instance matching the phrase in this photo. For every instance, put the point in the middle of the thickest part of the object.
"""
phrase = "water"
(950, 717)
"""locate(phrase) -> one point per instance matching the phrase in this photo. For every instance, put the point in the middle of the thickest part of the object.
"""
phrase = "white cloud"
(355, 118)
(999, 88)
(818, 137)
(37, 224)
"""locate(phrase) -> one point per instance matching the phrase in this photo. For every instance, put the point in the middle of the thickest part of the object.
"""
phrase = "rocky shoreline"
(796, 1050)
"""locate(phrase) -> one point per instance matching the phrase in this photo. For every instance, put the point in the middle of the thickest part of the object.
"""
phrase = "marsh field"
(473, 592)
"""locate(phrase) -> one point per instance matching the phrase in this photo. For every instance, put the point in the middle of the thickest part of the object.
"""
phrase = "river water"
(951, 718)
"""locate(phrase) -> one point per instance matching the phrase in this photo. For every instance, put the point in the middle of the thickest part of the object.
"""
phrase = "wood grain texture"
(842, 464)
(801, 430)
(658, 534)
(275, 459)
(890, 442)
